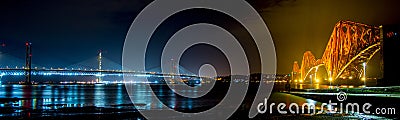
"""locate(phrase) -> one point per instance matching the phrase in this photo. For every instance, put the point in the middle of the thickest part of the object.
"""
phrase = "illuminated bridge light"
(142, 75)
(99, 75)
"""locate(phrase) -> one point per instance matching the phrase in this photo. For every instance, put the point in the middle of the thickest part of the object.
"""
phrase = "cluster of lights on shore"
(330, 79)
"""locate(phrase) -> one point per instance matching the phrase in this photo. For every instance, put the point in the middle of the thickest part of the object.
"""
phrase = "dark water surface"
(112, 100)
(17, 100)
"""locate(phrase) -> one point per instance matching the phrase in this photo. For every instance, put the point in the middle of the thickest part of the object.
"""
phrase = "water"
(33, 101)
(53, 98)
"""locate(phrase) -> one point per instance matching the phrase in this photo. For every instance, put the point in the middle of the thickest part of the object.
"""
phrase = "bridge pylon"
(99, 59)
(28, 63)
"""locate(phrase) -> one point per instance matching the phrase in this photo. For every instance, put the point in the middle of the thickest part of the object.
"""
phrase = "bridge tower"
(28, 63)
(174, 68)
(99, 59)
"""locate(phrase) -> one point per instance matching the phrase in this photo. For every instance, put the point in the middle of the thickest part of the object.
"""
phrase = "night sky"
(67, 32)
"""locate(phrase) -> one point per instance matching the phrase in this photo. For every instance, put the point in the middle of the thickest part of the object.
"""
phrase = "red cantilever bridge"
(350, 47)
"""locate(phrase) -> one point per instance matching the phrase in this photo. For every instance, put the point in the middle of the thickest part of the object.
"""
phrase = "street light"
(330, 82)
(364, 77)
(315, 76)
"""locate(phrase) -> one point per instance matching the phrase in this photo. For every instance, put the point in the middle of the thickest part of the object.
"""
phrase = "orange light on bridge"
(363, 79)
(330, 79)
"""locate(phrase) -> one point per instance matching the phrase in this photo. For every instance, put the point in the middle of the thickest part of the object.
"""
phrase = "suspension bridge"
(99, 67)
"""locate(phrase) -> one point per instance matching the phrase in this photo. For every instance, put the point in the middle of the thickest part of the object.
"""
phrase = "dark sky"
(65, 32)
(68, 31)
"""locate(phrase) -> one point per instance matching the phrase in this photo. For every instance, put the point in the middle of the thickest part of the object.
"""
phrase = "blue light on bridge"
(100, 75)
(141, 75)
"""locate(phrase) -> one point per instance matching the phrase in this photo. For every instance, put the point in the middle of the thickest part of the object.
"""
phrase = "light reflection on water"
(144, 100)
(55, 96)
(49, 97)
